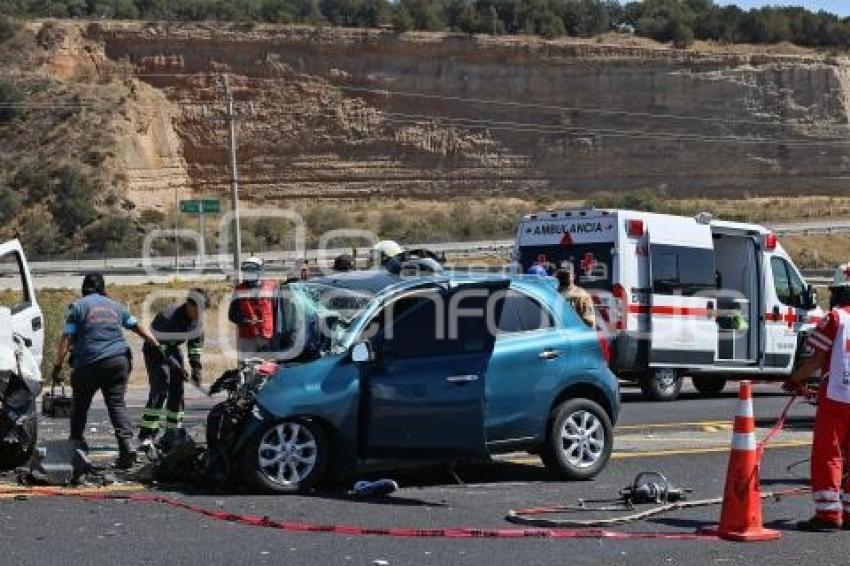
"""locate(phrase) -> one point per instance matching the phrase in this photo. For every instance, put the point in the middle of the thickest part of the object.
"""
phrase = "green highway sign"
(190, 206)
(194, 206)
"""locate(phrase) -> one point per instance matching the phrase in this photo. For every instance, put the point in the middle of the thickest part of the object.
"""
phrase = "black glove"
(197, 372)
(792, 387)
(57, 374)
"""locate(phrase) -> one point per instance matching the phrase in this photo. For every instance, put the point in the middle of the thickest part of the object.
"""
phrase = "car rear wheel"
(579, 441)
(708, 385)
(286, 457)
(662, 384)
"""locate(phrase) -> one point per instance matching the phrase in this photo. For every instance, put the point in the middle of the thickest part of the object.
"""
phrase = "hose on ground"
(532, 517)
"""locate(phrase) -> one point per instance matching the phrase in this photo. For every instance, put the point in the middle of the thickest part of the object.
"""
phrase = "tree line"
(676, 21)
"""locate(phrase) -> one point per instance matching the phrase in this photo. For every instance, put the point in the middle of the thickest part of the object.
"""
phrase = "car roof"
(380, 282)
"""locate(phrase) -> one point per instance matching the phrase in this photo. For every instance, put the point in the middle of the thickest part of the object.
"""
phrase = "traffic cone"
(740, 518)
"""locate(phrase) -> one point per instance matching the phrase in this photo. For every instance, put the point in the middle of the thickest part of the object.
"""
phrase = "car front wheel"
(579, 441)
(286, 457)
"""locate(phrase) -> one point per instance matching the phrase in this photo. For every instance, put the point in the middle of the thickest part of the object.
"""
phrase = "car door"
(424, 393)
(682, 274)
(19, 298)
(528, 346)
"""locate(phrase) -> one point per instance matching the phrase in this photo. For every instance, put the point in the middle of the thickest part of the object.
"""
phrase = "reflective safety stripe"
(826, 495)
(744, 441)
(845, 497)
(820, 506)
(151, 415)
(174, 420)
(195, 351)
(745, 409)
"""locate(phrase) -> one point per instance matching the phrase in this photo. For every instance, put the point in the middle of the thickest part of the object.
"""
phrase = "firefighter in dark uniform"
(172, 326)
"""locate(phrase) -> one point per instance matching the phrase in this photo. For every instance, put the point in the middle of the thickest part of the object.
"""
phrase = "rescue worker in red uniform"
(252, 310)
(831, 444)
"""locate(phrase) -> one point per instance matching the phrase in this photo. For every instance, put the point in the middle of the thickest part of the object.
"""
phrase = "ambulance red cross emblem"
(588, 262)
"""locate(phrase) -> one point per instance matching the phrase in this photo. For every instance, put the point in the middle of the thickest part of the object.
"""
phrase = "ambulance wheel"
(708, 386)
(663, 384)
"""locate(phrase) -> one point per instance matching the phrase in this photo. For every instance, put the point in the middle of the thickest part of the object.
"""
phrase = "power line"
(541, 128)
(515, 104)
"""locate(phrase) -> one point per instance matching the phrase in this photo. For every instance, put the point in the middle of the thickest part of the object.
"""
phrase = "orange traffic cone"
(740, 518)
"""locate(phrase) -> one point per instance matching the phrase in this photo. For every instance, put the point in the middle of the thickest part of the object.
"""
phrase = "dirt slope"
(336, 113)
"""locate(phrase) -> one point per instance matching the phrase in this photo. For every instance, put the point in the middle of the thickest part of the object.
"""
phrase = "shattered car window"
(335, 307)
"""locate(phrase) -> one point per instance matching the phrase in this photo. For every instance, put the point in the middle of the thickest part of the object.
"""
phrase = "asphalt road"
(671, 437)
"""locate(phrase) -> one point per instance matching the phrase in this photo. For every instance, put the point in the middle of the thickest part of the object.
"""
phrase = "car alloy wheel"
(287, 453)
(582, 439)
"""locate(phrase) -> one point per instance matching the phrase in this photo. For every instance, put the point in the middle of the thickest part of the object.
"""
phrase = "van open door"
(683, 304)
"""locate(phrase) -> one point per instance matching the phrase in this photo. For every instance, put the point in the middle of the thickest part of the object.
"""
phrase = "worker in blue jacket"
(94, 325)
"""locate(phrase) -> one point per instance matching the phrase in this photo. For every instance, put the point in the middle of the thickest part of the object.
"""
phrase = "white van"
(680, 296)
(21, 344)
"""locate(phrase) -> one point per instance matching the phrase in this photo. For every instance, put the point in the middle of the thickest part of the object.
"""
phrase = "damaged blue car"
(429, 370)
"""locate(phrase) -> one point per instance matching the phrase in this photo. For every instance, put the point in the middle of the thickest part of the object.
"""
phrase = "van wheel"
(663, 384)
(709, 385)
(286, 457)
(579, 440)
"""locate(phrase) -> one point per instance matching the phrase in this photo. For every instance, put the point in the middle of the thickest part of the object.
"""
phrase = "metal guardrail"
(287, 260)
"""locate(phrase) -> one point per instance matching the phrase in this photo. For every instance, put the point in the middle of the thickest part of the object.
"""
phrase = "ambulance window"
(789, 287)
(797, 287)
(678, 270)
(780, 280)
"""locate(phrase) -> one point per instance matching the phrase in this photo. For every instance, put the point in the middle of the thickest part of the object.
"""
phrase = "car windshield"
(336, 306)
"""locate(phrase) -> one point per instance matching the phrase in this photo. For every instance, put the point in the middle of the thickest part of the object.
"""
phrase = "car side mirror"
(362, 352)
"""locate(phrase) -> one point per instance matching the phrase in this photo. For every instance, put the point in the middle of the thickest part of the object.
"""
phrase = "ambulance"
(679, 296)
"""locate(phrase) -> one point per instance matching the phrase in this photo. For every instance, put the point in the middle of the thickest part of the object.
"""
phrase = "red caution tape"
(350, 530)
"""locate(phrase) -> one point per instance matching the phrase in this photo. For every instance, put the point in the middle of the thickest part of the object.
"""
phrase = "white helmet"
(387, 248)
(251, 269)
(841, 277)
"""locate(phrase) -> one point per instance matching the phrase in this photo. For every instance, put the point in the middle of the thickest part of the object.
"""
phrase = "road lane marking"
(672, 452)
(725, 423)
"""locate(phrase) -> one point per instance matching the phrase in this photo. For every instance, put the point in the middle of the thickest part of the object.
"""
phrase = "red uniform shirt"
(824, 336)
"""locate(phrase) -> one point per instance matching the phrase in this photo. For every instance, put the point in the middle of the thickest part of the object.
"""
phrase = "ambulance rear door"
(683, 297)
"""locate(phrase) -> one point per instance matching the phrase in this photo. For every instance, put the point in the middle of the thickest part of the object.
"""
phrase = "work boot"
(126, 455)
(148, 448)
(817, 525)
(845, 523)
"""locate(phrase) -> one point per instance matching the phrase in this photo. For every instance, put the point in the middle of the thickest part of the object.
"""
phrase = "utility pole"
(234, 185)
(176, 237)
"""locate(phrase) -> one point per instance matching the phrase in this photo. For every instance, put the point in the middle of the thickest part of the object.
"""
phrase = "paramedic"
(831, 344)
(252, 309)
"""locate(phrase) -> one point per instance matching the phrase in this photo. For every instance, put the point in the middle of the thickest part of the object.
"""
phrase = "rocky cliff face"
(346, 113)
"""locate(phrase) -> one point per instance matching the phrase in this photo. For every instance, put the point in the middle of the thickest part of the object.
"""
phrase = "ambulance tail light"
(770, 241)
(622, 308)
(634, 228)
